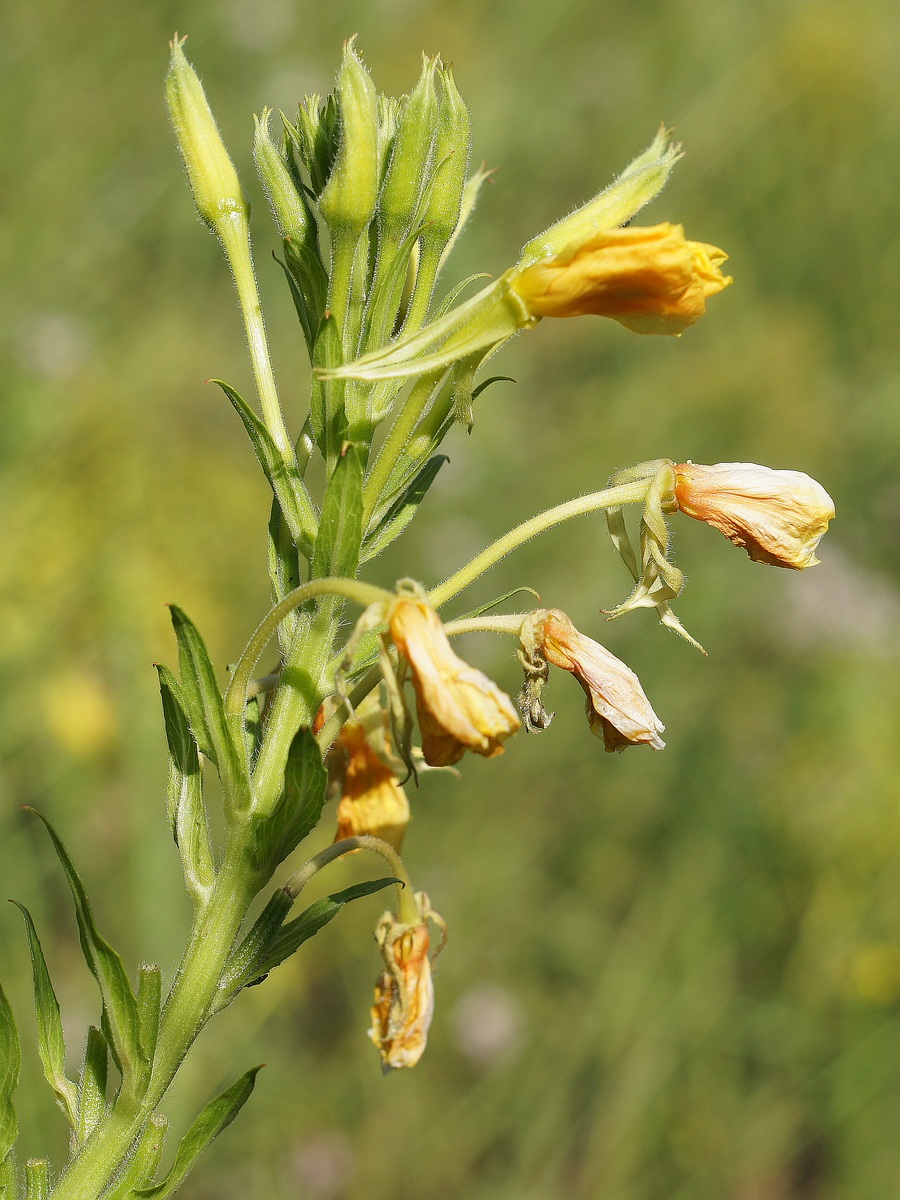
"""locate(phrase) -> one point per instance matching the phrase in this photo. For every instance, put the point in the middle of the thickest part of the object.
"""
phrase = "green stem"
(406, 904)
(629, 493)
(510, 623)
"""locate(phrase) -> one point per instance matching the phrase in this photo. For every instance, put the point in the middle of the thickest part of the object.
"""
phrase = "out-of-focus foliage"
(670, 976)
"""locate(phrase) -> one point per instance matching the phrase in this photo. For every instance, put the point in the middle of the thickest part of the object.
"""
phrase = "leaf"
(299, 808)
(149, 998)
(312, 919)
(284, 570)
(241, 969)
(308, 281)
(326, 402)
(92, 1085)
(282, 476)
(340, 528)
(143, 1163)
(205, 707)
(188, 818)
(403, 509)
(51, 1042)
(483, 608)
(10, 1062)
(119, 1004)
(215, 1117)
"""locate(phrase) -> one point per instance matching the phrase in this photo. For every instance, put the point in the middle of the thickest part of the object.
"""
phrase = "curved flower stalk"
(369, 194)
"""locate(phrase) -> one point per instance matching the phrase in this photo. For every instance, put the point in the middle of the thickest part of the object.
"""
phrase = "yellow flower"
(404, 994)
(778, 517)
(650, 279)
(458, 707)
(617, 709)
(372, 801)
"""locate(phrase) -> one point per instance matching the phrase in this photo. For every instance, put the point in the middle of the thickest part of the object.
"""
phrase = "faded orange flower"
(778, 517)
(649, 278)
(458, 707)
(617, 709)
(404, 994)
(372, 801)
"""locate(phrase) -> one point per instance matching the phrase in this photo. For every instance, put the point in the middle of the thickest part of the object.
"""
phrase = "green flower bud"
(388, 114)
(349, 199)
(451, 162)
(410, 158)
(213, 179)
(641, 180)
(288, 207)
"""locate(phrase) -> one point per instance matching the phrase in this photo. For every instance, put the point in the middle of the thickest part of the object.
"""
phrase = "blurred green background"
(670, 975)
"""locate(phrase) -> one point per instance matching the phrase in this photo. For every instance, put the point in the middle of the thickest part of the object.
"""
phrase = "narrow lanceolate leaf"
(51, 1043)
(215, 1117)
(10, 1062)
(283, 476)
(292, 936)
(284, 571)
(184, 792)
(92, 1084)
(149, 1000)
(340, 528)
(299, 808)
(326, 403)
(241, 968)
(119, 1004)
(143, 1164)
(403, 509)
(206, 709)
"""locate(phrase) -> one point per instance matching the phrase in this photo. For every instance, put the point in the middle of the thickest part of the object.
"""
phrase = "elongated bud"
(451, 162)
(213, 179)
(349, 199)
(287, 205)
(410, 157)
(641, 180)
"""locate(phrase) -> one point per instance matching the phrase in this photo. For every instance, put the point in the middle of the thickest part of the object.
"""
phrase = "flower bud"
(410, 158)
(778, 517)
(213, 179)
(348, 200)
(617, 709)
(288, 207)
(650, 279)
(372, 801)
(451, 162)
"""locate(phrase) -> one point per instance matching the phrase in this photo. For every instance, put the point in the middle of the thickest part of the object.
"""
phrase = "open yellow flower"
(372, 801)
(458, 707)
(650, 279)
(617, 709)
(778, 517)
(404, 994)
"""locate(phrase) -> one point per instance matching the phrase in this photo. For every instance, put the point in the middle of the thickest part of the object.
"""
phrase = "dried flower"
(617, 709)
(458, 707)
(372, 801)
(778, 517)
(650, 279)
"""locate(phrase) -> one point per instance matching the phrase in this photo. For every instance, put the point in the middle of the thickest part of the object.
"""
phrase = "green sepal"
(10, 1063)
(283, 476)
(144, 1161)
(340, 529)
(326, 403)
(184, 792)
(403, 509)
(299, 807)
(92, 1084)
(205, 708)
(149, 1003)
(284, 570)
(120, 1013)
(51, 1041)
(292, 936)
(215, 1117)
(37, 1179)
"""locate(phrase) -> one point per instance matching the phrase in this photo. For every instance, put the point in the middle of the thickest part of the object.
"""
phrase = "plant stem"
(629, 493)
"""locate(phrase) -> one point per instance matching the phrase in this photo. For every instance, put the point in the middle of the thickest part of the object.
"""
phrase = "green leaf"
(299, 808)
(149, 999)
(92, 1084)
(340, 529)
(144, 1161)
(9, 1184)
(284, 571)
(308, 281)
(282, 476)
(215, 1117)
(51, 1042)
(403, 509)
(205, 707)
(326, 403)
(119, 1004)
(292, 936)
(10, 1062)
(184, 792)
(483, 608)
(241, 969)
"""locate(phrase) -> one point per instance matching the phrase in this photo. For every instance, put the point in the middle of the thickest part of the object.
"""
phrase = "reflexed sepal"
(299, 808)
(215, 1117)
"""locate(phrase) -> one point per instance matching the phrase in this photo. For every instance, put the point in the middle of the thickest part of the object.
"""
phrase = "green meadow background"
(670, 976)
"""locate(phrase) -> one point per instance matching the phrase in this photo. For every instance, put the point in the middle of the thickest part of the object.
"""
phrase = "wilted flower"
(458, 707)
(617, 709)
(404, 994)
(650, 279)
(372, 801)
(778, 517)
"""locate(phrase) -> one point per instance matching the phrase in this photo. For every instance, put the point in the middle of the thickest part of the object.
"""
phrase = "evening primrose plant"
(362, 690)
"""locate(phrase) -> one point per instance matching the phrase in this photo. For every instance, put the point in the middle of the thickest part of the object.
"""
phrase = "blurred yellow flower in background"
(79, 712)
